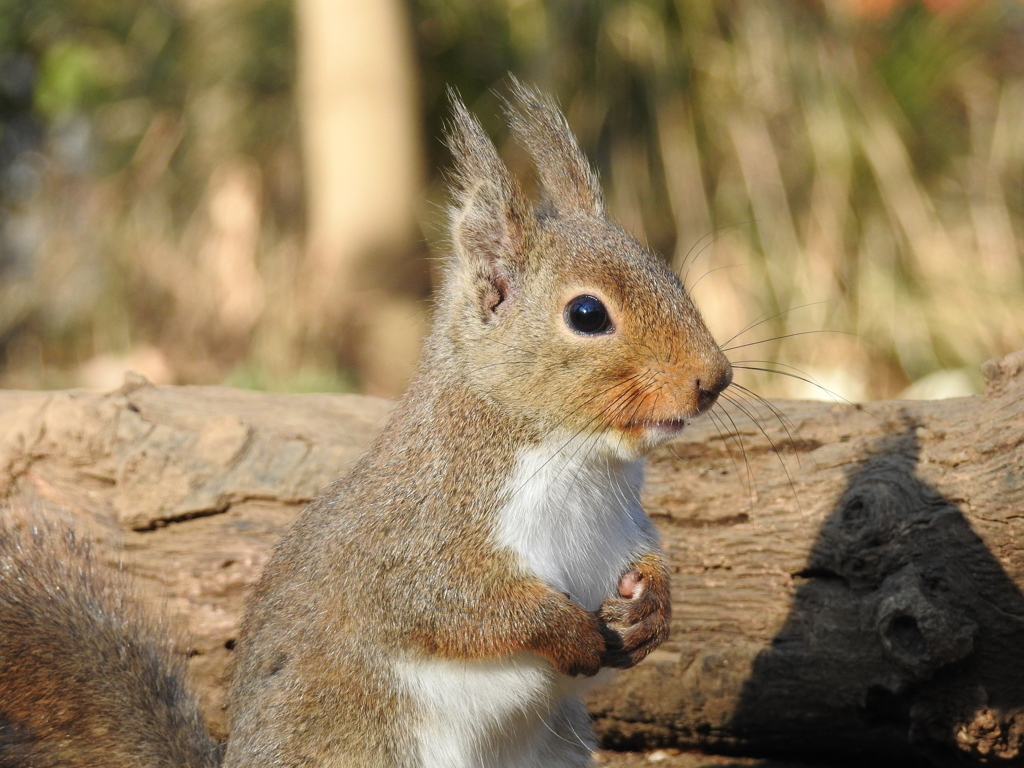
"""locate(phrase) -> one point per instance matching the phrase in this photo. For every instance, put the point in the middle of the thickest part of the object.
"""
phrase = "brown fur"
(85, 679)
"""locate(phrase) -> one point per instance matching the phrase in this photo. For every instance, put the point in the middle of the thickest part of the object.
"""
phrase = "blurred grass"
(854, 169)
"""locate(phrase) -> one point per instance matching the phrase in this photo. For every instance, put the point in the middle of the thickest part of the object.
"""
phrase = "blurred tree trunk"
(362, 155)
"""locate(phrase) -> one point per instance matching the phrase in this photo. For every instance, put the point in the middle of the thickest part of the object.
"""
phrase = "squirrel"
(445, 604)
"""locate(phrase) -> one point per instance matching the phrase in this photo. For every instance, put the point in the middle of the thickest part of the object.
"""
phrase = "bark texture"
(846, 579)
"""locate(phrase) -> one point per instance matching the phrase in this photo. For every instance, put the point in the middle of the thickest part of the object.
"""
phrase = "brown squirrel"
(444, 604)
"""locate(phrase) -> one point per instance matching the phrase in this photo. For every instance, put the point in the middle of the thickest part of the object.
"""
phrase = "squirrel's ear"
(568, 182)
(491, 220)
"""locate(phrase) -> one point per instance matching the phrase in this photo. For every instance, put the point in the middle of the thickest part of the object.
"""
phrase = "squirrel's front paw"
(573, 639)
(636, 622)
(583, 650)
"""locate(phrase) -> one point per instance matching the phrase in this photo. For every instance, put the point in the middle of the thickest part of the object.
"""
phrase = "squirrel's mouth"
(659, 429)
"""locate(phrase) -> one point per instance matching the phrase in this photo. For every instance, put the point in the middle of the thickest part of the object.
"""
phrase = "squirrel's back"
(85, 680)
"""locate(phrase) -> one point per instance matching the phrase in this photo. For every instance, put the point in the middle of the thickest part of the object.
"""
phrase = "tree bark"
(846, 579)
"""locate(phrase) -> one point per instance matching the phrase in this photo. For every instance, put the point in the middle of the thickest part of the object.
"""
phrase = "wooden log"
(846, 579)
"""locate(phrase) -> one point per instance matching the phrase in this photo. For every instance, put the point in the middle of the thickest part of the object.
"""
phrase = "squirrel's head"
(556, 314)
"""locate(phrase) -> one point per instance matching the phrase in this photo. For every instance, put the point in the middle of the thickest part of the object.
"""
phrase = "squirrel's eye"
(586, 314)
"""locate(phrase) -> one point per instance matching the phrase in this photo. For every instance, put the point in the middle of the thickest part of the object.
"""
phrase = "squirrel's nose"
(712, 383)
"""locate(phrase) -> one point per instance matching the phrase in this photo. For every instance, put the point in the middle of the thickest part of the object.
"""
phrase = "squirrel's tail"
(85, 679)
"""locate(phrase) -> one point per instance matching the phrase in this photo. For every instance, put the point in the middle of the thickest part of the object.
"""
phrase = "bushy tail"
(85, 679)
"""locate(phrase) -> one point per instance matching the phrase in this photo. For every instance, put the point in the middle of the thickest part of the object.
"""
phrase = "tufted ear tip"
(567, 181)
(491, 221)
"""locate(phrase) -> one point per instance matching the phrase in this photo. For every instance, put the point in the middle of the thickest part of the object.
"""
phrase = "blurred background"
(251, 192)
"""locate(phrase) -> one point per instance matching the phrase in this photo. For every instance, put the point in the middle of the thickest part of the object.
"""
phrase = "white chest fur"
(574, 517)
(493, 714)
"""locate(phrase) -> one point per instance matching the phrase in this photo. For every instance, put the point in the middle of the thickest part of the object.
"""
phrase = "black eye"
(586, 314)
